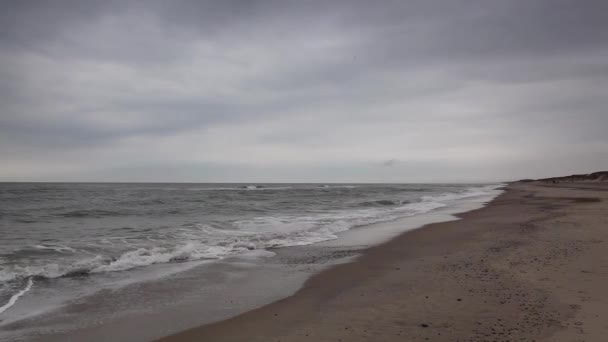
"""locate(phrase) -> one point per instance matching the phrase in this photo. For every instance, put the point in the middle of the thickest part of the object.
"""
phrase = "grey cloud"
(297, 82)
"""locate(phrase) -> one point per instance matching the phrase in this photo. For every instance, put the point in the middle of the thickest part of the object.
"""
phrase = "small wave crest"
(96, 213)
(244, 188)
(56, 248)
(382, 202)
(467, 193)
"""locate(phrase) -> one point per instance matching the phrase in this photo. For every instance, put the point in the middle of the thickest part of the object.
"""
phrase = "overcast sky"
(302, 91)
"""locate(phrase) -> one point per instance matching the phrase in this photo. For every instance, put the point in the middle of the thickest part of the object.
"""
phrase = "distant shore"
(532, 265)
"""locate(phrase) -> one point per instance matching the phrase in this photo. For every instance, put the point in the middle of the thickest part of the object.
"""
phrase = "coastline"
(531, 265)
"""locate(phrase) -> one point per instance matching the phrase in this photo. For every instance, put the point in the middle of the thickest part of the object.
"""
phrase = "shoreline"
(500, 273)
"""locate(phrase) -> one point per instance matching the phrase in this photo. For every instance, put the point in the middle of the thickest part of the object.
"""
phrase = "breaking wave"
(383, 202)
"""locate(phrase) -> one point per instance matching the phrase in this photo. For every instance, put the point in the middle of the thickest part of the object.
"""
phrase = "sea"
(62, 242)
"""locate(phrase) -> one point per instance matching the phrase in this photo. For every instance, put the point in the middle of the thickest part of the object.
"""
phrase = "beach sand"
(531, 266)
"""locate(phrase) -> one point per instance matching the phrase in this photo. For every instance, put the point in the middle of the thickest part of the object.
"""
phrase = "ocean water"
(50, 232)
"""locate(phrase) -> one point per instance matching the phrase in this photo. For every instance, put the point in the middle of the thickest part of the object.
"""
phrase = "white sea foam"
(17, 295)
(57, 248)
(467, 193)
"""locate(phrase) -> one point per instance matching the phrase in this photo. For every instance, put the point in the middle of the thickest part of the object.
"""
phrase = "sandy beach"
(530, 266)
(290, 171)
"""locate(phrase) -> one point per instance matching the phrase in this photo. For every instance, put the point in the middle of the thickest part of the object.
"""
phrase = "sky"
(302, 91)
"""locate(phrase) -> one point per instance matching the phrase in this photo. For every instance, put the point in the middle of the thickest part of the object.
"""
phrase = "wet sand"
(531, 266)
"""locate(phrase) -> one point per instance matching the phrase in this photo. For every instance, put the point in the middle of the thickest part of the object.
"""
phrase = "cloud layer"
(310, 91)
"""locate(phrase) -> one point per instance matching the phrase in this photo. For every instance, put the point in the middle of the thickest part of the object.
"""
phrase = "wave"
(277, 188)
(56, 248)
(243, 188)
(128, 260)
(382, 202)
(92, 213)
(443, 197)
(17, 295)
(325, 186)
(467, 193)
